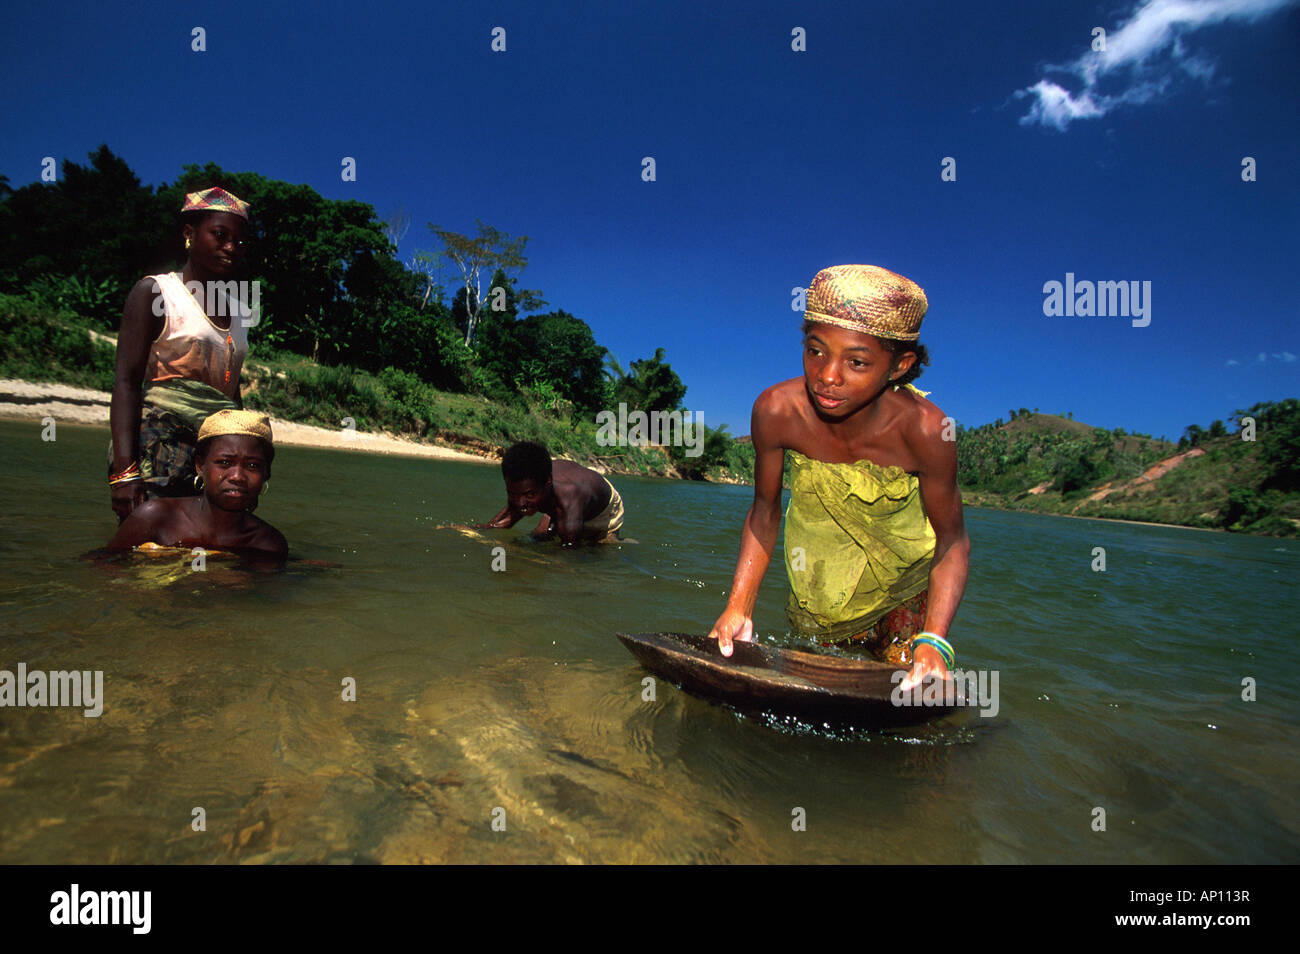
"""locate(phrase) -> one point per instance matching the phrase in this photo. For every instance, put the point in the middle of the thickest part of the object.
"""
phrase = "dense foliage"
(332, 290)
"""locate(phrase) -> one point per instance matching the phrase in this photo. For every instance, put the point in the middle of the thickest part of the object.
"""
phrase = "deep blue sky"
(771, 164)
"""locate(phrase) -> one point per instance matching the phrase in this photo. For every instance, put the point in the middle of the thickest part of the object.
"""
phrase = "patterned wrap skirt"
(166, 454)
(887, 638)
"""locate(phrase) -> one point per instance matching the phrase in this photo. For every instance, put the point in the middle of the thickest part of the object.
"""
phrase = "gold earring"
(187, 243)
(198, 483)
(265, 487)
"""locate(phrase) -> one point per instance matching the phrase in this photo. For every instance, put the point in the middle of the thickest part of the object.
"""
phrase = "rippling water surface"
(481, 693)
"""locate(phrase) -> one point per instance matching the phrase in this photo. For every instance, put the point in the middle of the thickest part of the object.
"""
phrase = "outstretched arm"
(759, 535)
(545, 528)
(506, 518)
(948, 569)
(568, 525)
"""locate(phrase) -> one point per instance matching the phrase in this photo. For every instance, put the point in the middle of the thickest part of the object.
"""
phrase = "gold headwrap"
(243, 423)
(867, 298)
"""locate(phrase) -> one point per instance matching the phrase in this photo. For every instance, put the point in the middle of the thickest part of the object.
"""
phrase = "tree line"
(332, 286)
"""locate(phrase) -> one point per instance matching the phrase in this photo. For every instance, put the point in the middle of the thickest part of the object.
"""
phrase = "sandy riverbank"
(25, 400)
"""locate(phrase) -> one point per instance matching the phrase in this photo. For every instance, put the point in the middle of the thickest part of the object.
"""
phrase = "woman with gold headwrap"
(179, 354)
(875, 545)
(233, 456)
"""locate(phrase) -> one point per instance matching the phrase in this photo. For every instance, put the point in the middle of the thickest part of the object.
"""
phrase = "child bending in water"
(875, 546)
(577, 504)
(233, 458)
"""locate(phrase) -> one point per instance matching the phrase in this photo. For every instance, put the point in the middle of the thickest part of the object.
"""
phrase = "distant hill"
(1212, 478)
(1031, 422)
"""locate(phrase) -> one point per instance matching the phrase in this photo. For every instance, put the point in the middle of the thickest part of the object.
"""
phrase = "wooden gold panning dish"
(757, 678)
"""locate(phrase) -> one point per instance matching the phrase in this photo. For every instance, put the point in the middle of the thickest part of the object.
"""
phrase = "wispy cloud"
(1141, 61)
(1262, 358)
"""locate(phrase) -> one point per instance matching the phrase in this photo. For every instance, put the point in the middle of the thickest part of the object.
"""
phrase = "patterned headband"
(216, 200)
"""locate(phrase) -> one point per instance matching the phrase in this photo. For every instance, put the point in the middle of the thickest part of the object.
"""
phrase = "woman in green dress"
(875, 545)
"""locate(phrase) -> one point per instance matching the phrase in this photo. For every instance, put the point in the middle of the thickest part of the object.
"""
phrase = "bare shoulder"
(157, 511)
(270, 540)
(144, 523)
(140, 298)
(569, 470)
(779, 399)
(140, 311)
(574, 482)
(780, 407)
(926, 419)
(148, 285)
(929, 432)
(778, 413)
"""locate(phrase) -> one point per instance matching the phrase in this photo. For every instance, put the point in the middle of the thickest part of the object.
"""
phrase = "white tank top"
(191, 347)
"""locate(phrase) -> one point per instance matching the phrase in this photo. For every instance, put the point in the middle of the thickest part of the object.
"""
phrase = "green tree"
(613, 373)
(1244, 507)
(1074, 473)
(499, 311)
(650, 385)
(1278, 435)
(554, 349)
(718, 450)
(489, 251)
(97, 223)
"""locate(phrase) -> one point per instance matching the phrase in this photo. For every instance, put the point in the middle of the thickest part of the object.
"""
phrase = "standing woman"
(179, 353)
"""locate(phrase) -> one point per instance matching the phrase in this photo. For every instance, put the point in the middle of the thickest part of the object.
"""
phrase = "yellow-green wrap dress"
(857, 544)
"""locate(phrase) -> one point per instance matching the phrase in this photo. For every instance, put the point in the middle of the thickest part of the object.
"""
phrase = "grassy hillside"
(1048, 464)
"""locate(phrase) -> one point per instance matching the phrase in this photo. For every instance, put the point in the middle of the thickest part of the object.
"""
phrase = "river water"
(489, 697)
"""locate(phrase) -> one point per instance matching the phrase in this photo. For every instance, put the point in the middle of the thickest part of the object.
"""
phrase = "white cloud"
(1285, 356)
(1155, 28)
(1231, 363)
(1056, 107)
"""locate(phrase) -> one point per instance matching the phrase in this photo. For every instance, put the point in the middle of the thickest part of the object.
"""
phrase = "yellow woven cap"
(243, 423)
(867, 298)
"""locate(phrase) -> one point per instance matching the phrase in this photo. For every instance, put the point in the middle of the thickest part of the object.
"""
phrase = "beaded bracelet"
(941, 645)
(129, 475)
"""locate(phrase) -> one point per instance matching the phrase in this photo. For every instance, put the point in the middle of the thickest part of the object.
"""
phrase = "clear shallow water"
(479, 691)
